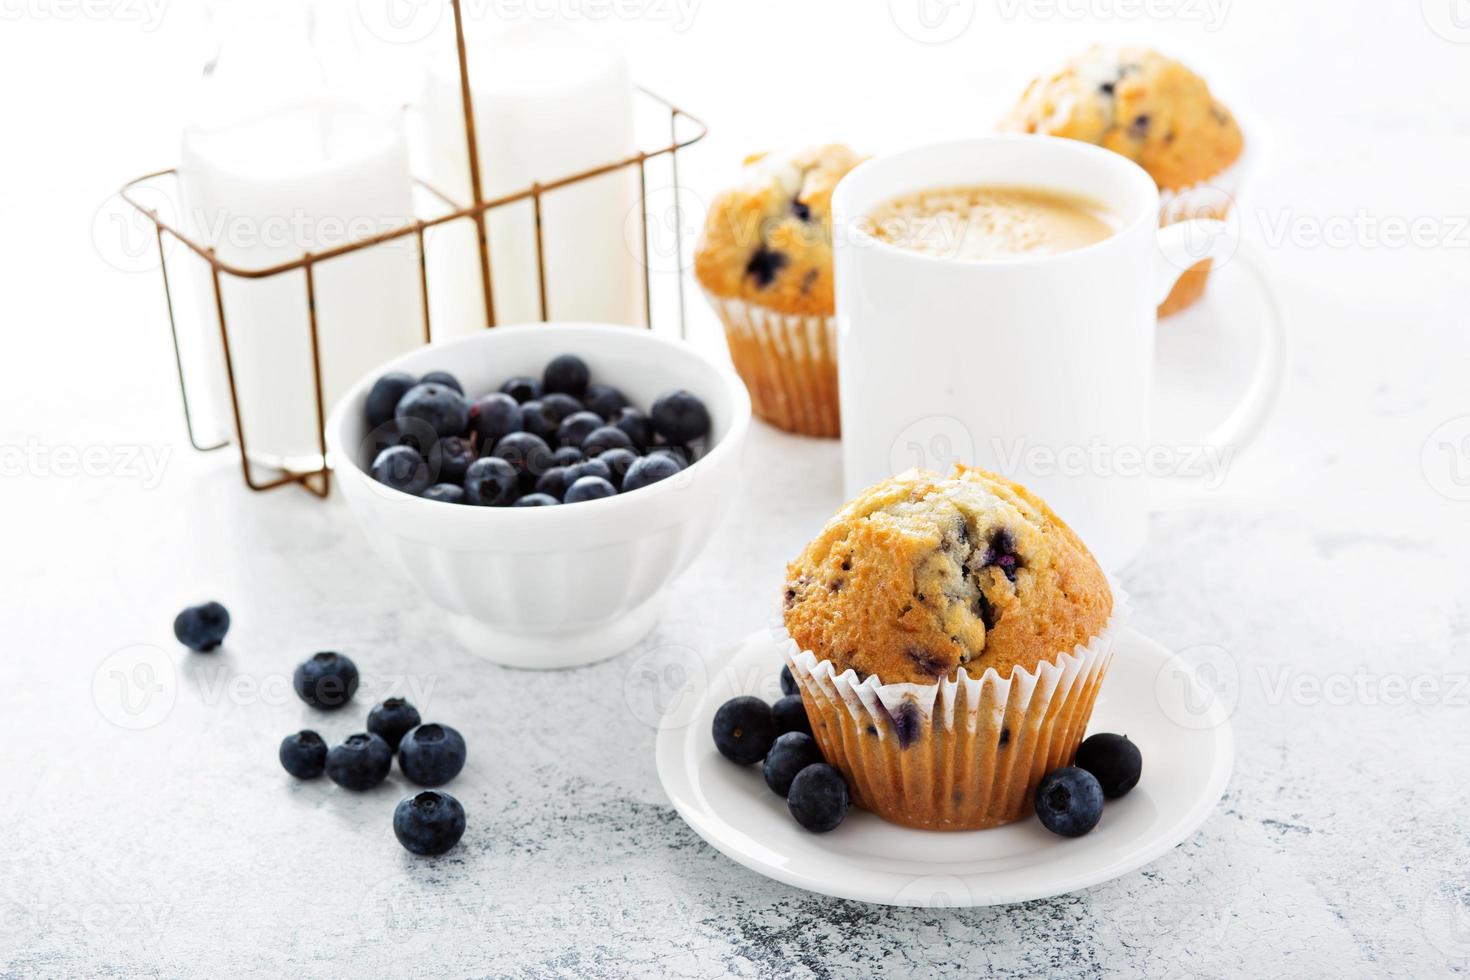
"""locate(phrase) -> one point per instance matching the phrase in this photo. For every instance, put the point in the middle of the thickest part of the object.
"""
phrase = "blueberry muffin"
(1151, 109)
(765, 262)
(949, 636)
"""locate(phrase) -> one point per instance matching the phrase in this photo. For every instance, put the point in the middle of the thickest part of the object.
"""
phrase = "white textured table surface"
(1329, 568)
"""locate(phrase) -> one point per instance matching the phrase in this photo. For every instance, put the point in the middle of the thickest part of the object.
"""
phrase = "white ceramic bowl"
(545, 587)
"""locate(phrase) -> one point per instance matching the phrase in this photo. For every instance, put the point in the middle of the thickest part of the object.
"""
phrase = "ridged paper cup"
(1212, 198)
(787, 361)
(960, 754)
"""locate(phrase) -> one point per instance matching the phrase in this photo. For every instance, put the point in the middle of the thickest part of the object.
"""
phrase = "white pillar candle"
(549, 102)
(267, 190)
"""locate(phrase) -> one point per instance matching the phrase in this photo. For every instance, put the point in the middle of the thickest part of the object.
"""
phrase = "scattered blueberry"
(490, 482)
(383, 397)
(522, 389)
(1069, 801)
(202, 627)
(605, 400)
(392, 720)
(566, 456)
(744, 730)
(788, 683)
(578, 426)
(537, 500)
(450, 458)
(402, 468)
(494, 417)
(428, 823)
(648, 470)
(566, 373)
(304, 755)
(790, 754)
(638, 427)
(442, 378)
(442, 408)
(431, 755)
(818, 798)
(327, 680)
(445, 492)
(528, 454)
(618, 462)
(790, 715)
(361, 762)
(604, 438)
(680, 417)
(1114, 762)
(589, 488)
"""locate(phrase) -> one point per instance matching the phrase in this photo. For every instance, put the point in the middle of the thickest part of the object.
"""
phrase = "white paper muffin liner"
(962, 753)
(788, 362)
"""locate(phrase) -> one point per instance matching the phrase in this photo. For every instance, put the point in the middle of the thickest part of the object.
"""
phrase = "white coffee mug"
(1009, 364)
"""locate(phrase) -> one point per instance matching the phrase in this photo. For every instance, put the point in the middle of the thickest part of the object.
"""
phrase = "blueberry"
(304, 755)
(327, 680)
(790, 715)
(649, 469)
(589, 488)
(428, 823)
(566, 455)
(604, 438)
(402, 468)
(764, 265)
(450, 458)
(202, 627)
(566, 373)
(522, 389)
(605, 400)
(618, 462)
(1114, 762)
(788, 683)
(818, 798)
(801, 210)
(491, 482)
(638, 427)
(392, 720)
(446, 493)
(359, 763)
(681, 455)
(442, 378)
(589, 467)
(578, 426)
(559, 406)
(494, 417)
(383, 397)
(680, 417)
(534, 421)
(790, 754)
(444, 409)
(744, 730)
(1000, 551)
(413, 433)
(1069, 801)
(553, 483)
(537, 500)
(528, 454)
(431, 755)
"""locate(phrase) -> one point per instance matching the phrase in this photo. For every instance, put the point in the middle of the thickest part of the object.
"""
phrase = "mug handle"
(1181, 246)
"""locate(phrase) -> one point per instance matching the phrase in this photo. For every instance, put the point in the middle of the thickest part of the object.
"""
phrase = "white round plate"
(1149, 695)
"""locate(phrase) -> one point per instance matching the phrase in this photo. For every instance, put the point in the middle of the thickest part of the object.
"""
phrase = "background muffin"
(765, 261)
(1151, 109)
(949, 636)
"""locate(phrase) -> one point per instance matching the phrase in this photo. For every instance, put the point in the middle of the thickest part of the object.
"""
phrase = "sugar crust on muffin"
(923, 575)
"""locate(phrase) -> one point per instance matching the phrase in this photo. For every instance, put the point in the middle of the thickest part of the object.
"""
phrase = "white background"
(1335, 552)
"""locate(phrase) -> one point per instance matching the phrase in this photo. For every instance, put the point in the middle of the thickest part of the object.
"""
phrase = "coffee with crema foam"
(986, 223)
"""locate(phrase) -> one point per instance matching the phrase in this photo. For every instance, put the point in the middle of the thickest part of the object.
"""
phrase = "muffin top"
(769, 239)
(922, 575)
(1139, 103)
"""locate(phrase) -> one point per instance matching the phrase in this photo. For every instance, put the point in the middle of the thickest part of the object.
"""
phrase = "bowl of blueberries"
(543, 483)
